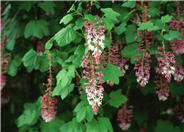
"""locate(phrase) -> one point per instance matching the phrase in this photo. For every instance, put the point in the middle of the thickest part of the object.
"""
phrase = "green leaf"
(166, 18)
(65, 36)
(49, 44)
(47, 6)
(66, 91)
(64, 78)
(105, 124)
(92, 126)
(52, 126)
(148, 26)
(14, 31)
(79, 23)
(110, 14)
(80, 110)
(43, 63)
(130, 33)
(30, 59)
(13, 67)
(153, 11)
(130, 4)
(26, 5)
(121, 28)
(29, 116)
(72, 126)
(116, 98)
(83, 111)
(108, 24)
(173, 35)
(66, 19)
(101, 125)
(166, 126)
(130, 51)
(36, 28)
(113, 71)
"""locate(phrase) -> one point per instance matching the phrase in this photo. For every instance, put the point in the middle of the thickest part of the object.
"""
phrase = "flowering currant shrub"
(92, 66)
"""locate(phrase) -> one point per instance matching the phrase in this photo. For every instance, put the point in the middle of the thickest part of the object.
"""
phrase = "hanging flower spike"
(48, 102)
(94, 88)
(177, 45)
(48, 107)
(161, 87)
(166, 63)
(95, 37)
(179, 72)
(125, 117)
(142, 68)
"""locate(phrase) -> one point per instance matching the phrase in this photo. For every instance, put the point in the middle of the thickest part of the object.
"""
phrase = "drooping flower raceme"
(125, 117)
(166, 63)
(94, 89)
(179, 72)
(48, 107)
(177, 45)
(48, 102)
(161, 86)
(142, 68)
(95, 37)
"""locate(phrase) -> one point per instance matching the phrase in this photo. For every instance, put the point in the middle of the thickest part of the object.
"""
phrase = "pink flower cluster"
(177, 45)
(124, 117)
(48, 102)
(142, 68)
(48, 107)
(179, 72)
(161, 87)
(94, 88)
(95, 36)
(166, 63)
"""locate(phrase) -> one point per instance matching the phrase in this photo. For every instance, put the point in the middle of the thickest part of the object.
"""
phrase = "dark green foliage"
(58, 28)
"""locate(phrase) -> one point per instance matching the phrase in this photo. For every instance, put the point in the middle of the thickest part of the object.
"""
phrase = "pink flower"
(95, 37)
(48, 107)
(161, 87)
(142, 68)
(125, 117)
(94, 88)
(177, 45)
(166, 63)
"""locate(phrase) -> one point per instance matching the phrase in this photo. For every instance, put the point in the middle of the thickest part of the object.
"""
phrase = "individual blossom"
(48, 102)
(166, 63)
(124, 117)
(179, 72)
(142, 68)
(95, 37)
(94, 88)
(161, 86)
